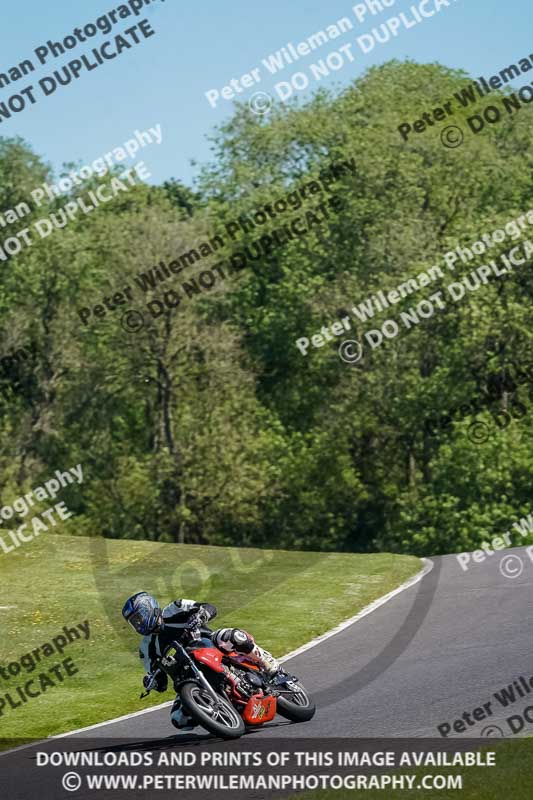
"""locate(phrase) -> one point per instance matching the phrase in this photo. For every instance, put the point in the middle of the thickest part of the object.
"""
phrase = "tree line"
(207, 425)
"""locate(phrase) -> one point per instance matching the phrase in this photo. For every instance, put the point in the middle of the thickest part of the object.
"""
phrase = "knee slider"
(177, 715)
(176, 706)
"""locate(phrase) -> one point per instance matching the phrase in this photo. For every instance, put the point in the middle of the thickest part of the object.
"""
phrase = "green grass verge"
(511, 777)
(283, 598)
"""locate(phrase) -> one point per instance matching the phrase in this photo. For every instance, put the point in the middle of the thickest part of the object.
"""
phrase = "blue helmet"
(143, 613)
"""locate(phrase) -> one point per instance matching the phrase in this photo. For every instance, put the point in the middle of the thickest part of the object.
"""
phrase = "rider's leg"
(227, 639)
(179, 718)
(265, 659)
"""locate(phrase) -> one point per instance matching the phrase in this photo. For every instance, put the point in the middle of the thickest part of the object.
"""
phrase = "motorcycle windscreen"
(259, 710)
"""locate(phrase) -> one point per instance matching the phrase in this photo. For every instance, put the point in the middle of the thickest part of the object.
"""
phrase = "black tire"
(298, 706)
(196, 701)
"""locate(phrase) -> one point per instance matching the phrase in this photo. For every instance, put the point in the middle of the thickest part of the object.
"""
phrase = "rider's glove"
(197, 619)
(155, 680)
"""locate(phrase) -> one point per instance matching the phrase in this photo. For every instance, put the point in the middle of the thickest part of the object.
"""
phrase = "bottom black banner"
(197, 766)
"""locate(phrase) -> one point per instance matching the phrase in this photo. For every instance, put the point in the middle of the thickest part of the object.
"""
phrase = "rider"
(179, 621)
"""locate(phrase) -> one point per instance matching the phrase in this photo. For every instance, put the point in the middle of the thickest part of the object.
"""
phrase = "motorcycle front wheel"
(216, 716)
(296, 704)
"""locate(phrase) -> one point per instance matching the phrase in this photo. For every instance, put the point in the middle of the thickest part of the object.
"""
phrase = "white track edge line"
(428, 566)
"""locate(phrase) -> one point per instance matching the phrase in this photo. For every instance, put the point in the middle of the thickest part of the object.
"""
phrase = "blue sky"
(201, 46)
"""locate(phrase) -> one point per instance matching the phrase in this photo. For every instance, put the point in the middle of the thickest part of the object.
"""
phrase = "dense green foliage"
(209, 426)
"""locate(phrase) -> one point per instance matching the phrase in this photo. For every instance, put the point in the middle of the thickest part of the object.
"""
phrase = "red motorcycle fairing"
(209, 656)
(212, 657)
(259, 709)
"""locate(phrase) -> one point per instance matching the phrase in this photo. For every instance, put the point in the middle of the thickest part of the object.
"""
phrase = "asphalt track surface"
(436, 650)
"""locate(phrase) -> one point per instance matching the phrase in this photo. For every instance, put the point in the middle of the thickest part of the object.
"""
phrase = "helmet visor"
(137, 621)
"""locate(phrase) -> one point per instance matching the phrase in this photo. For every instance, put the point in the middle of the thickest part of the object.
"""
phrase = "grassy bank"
(284, 598)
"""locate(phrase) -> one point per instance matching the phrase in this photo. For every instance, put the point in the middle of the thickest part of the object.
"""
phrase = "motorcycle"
(225, 693)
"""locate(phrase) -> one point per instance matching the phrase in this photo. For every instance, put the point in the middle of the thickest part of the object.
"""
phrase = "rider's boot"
(265, 660)
(179, 718)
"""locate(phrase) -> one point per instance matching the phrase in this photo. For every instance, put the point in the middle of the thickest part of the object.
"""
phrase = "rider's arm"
(182, 609)
(210, 609)
(147, 652)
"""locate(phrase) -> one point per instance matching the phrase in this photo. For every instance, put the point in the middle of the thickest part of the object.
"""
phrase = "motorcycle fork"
(203, 681)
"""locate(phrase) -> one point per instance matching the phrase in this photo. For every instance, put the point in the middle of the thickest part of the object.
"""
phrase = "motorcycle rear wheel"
(218, 717)
(297, 706)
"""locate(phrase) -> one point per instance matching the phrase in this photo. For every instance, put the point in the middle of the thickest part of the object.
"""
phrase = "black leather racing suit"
(176, 620)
